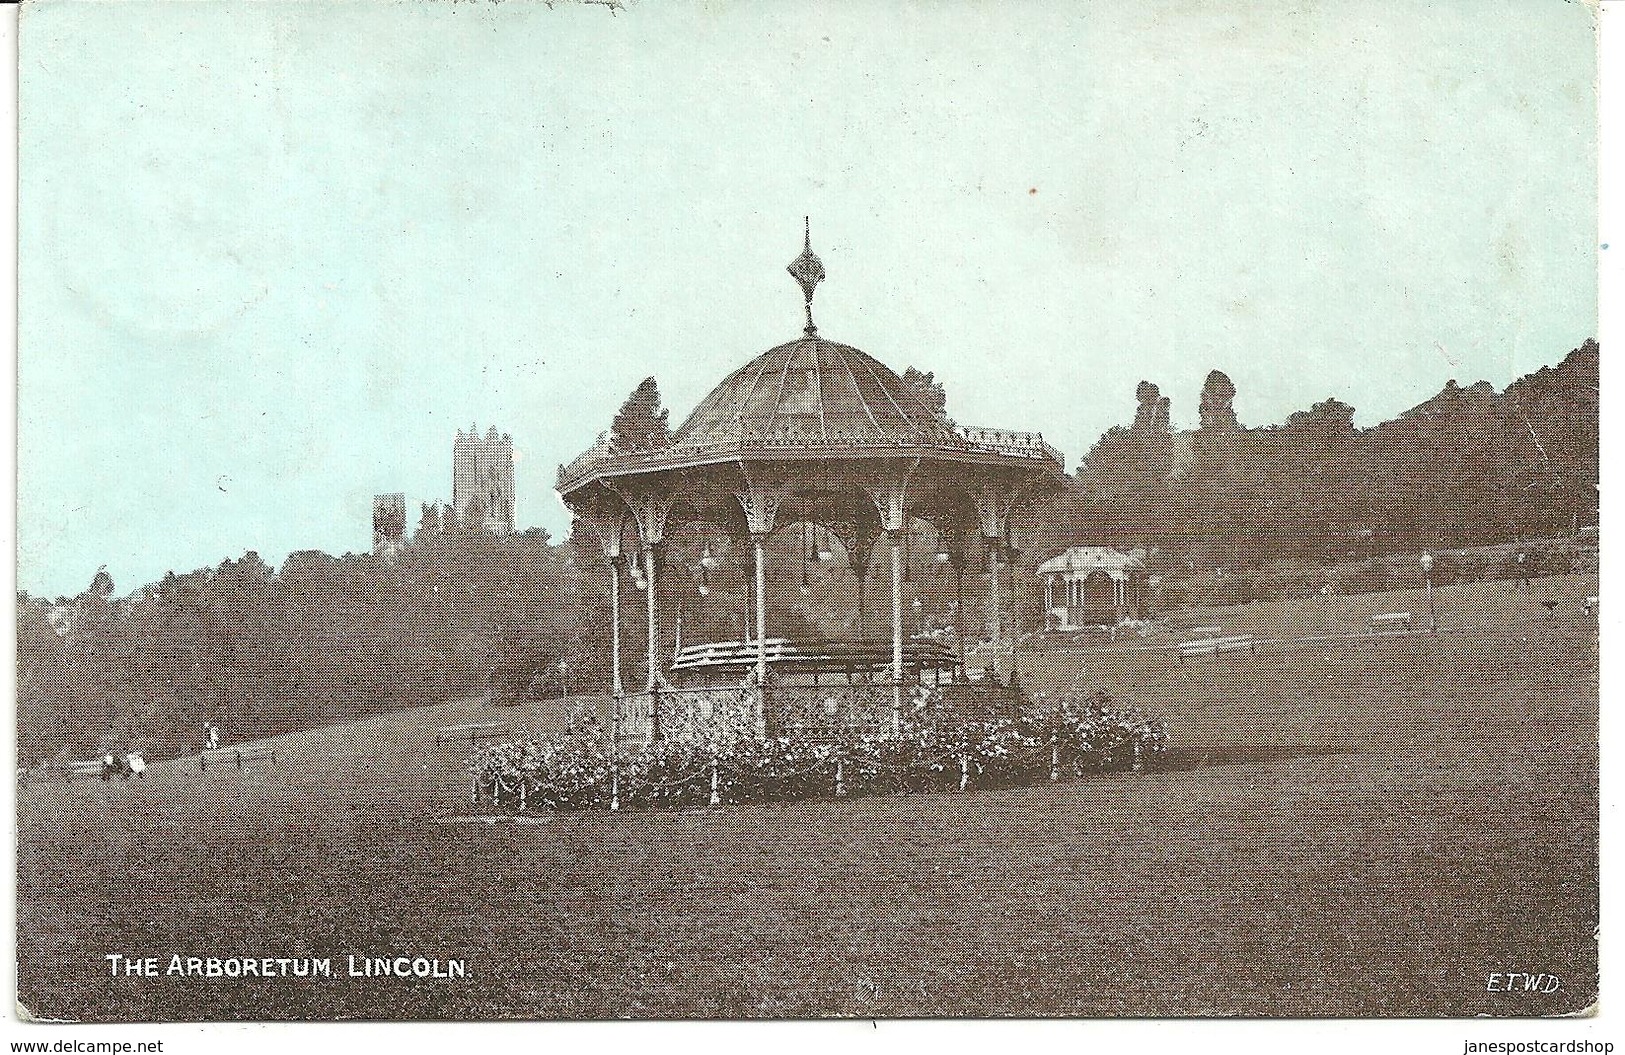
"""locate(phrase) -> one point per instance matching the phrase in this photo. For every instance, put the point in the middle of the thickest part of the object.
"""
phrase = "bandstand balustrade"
(722, 714)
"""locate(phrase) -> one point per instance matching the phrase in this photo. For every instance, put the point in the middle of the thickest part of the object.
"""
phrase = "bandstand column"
(896, 624)
(1012, 560)
(889, 499)
(609, 527)
(615, 626)
(649, 508)
(857, 536)
(761, 612)
(651, 561)
(993, 511)
(760, 503)
(952, 541)
(995, 632)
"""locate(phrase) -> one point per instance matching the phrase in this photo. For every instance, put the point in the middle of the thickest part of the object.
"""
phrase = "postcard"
(616, 510)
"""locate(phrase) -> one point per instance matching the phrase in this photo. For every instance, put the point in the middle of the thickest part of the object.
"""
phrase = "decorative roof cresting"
(808, 271)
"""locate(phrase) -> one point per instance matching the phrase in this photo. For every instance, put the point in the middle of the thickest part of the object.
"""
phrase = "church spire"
(808, 271)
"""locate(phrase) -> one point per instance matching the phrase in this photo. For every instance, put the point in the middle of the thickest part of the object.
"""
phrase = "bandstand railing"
(722, 714)
(1002, 442)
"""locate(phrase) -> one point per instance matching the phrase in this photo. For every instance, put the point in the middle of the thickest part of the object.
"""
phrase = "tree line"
(1470, 466)
(260, 651)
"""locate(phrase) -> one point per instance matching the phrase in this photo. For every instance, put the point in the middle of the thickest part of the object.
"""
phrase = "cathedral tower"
(388, 525)
(482, 478)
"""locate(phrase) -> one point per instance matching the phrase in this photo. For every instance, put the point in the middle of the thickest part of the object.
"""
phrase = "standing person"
(108, 766)
(136, 764)
(214, 737)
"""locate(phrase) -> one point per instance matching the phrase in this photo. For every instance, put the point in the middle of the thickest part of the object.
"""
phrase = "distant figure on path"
(108, 766)
(135, 764)
(213, 741)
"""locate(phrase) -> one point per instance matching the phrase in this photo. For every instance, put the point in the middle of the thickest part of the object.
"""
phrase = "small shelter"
(1092, 586)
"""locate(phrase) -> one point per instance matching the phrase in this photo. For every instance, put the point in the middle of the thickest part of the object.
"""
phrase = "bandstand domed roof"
(811, 399)
(811, 391)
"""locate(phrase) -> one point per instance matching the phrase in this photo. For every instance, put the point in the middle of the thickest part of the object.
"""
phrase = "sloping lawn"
(1351, 827)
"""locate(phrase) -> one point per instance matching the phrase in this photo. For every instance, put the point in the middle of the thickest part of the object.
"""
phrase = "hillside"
(1332, 803)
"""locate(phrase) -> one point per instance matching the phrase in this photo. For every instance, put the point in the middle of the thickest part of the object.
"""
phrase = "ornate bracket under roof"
(649, 507)
(857, 536)
(890, 497)
(993, 510)
(760, 501)
(608, 526)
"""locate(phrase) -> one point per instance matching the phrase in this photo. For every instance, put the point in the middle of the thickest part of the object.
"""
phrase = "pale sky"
(274, 255)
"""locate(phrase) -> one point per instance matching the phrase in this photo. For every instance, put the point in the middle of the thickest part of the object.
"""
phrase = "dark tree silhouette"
(931, 393)
(640, 424)
(1216, 410)
(429, 521)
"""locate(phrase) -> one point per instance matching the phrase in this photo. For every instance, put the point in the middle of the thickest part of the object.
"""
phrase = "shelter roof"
(1083, 559)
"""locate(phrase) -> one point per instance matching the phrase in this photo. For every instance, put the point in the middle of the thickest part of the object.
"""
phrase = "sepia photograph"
(620, 510)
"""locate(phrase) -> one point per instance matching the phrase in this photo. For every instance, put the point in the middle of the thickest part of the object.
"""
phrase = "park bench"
(237, 755)
(75, 770)
(1390, 621)
(1212, 646)
(1206, 631)
(473, 733)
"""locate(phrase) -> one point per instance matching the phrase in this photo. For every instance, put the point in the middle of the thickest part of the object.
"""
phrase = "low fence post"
(1054, 757)
(474, 790)
(615, 754)
(840, 777)
(1139, 758)
(522, 783)
(964, 772)
(716, 800)
(239, 761)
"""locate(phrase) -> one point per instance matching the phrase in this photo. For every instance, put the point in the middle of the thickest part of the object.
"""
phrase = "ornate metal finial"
(808, 271)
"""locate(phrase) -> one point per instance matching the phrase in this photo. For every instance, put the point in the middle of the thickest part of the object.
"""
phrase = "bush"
(934, 753)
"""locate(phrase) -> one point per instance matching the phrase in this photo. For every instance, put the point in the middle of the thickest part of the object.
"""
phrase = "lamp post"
(1433, 612)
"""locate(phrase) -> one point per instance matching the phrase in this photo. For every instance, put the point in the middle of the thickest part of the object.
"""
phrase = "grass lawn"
(1350, 826)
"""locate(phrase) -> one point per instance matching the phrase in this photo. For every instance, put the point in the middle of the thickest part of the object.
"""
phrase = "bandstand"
(809, 432)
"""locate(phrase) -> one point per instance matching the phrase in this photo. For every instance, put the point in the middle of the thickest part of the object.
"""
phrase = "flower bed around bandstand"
(1069, 735)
